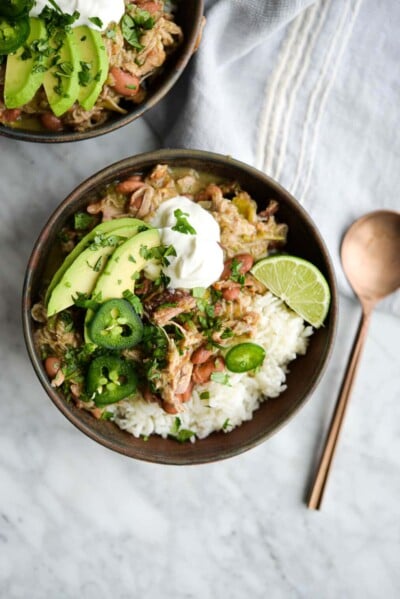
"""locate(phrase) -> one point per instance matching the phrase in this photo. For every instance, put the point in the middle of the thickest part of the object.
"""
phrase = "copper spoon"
(370, 256)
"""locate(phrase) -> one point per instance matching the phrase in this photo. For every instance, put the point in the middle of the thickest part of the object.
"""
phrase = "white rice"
(281, 333)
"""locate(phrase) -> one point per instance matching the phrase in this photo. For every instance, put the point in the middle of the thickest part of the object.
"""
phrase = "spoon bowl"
(371, 261)
(371, 255)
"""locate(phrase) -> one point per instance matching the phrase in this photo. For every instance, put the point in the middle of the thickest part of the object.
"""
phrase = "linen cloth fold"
(307, 91)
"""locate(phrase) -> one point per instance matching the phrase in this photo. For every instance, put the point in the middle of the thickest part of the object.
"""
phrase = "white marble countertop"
(77, 520)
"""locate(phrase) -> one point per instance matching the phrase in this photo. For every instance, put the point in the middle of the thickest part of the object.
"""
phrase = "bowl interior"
(304, 240)
(189, 17)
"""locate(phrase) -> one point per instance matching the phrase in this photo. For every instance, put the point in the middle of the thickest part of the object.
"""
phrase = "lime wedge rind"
(299, 283)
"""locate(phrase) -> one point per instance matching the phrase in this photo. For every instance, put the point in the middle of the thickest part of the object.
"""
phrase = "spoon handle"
(321, 478)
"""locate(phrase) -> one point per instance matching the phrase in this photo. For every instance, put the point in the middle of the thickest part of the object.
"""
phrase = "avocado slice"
(82, 274)
(61, 81)
(25, 74)
(93, 65)
(127, 260)
(101, 229)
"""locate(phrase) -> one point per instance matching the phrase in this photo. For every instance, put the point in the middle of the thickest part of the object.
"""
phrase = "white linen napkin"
(306, 91)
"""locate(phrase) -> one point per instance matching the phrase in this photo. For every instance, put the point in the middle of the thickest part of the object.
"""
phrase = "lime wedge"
(298, 283)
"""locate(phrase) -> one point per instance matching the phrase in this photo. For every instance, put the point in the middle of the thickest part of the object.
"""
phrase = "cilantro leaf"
(134, 301)
(182, 224)
(221, 377)
(96, 21)
(83, 221)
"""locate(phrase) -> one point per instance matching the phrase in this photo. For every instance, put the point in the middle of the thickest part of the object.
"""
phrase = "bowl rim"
(137, 112)
(142, 161)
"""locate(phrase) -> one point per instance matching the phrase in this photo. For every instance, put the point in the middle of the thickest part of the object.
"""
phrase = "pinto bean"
(202, 372)
(149, 396)
(130, 185)
(150, 6)
(10, 115)
(125, 83)
(186, 395)
(169, 408)
(246, 262)
(52, 365)
(51, 122)
(231, 293)
(201, 355)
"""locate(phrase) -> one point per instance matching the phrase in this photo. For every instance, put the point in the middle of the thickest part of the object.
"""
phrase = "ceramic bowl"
(304, 240)
(189, 16)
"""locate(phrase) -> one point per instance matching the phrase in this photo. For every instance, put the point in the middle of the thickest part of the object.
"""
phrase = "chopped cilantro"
(64, 69)
(182, 224)
(134, 301)
(98, 265)
(55, 6)
(143, 19)
(133, 25)
(145, 252)
(131, 32)
(83, 221)
(236, 275)
(82, 300)
(96, 21)
(84, 74)
(180, 434)
(102, 241)
(39, 68)
(184, 435)
(58, 22)
(227, 333)
(220, 377)
(198, 292)
(176, 426)
(226, 425)
(106, 415)
(67, 321)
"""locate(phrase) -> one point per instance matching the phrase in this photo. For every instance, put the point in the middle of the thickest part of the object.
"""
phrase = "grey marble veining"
(77, 520)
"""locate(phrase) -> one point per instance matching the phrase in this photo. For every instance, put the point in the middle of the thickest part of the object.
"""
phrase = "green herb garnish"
(96, 21)
(220, 377)
(134, 301)
(133, 25)
(182, 224)
(180, 434)
(83, 221)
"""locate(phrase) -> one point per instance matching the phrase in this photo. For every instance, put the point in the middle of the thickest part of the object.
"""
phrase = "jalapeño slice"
(244, 357)
(116, 325)
(110, 379)
(13, 34)
(15, 8)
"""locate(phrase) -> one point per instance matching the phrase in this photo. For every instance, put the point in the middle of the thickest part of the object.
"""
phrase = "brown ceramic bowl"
(304, 240)
(189, 16)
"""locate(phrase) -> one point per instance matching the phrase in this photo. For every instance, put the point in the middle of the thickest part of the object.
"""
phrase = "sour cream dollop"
(108, 12)
(199, 259)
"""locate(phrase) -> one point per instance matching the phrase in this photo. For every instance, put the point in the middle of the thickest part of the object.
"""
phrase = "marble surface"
(77, 520)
